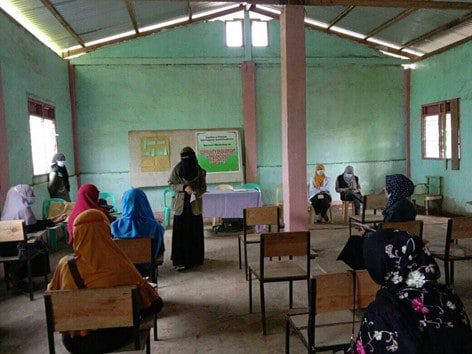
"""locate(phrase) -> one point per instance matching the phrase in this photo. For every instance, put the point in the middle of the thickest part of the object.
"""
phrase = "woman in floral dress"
(412, 313)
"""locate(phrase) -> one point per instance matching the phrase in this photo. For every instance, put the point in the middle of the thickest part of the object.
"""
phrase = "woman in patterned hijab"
(412, 312)
(399, 188)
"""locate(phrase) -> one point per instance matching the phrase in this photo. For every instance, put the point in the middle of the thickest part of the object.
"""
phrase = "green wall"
(187, 78)
(30, 69)
(441, 77)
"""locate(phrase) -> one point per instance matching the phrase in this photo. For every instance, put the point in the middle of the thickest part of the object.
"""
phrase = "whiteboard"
(143, 174)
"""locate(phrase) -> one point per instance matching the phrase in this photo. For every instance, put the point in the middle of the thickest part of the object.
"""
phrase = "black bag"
(39, 255)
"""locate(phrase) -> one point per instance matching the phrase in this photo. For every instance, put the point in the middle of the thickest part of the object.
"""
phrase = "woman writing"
(349, 188)
(319, 196)
(188, 180)
(98, 262)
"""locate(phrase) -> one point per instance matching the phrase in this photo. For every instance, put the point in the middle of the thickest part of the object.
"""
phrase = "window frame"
(45, 111)
(441, 109)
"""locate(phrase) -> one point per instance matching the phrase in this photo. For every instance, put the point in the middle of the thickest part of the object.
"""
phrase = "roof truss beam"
(341, 15)
(417, 4)
(341, 35)
(438, 30)
(390, 22)
(63, 22)
(78, 51)
(132, 15)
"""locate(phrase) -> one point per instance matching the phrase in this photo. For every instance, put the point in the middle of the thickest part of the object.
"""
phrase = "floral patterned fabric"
(412, 313)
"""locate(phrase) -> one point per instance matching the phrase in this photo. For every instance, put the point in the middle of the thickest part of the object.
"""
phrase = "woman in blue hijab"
(138, 220)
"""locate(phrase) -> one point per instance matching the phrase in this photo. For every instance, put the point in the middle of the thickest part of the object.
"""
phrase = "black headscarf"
(62, 171)
(412, 313)
(398, 187)
(189, 164)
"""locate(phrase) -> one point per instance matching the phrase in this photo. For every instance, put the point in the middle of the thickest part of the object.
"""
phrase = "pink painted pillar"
(293, 68)
(248, 78)
(4, 170)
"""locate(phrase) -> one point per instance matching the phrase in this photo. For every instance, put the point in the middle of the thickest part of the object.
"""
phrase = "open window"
(43, 135)
(440, 131)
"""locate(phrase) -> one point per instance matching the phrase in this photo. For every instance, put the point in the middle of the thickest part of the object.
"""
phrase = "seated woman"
(87, 198)
(18, 207)
(412, 312)
(349, 188)
(138, 220)
(399, 188)
(99, 263)
(319, 196)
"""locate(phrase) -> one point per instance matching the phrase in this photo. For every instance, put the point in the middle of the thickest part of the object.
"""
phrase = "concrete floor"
(206, 309)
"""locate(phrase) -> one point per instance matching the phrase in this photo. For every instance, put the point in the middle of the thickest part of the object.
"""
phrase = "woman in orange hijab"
(319, 196)
(100, 264)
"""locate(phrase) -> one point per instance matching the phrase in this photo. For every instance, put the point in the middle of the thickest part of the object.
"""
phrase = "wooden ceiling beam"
(341, 15)
(417, 4)
(78, 51)
(390, 22)
(341, 35)
(132, 15)
(63, 22)
(438, 30)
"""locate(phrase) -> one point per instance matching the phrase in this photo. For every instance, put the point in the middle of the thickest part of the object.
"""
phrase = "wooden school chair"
(13, 231)
(346, 204)
(331, 320)
(267, 216)
(371, 202)
(280, 244)
(75, 310)
(457, 229)
(414, 227)
(140, 251)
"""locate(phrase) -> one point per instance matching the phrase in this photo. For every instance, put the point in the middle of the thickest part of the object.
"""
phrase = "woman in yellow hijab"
(319, 196)
(100, 264)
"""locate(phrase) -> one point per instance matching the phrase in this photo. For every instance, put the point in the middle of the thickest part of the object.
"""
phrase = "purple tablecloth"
(229, 204)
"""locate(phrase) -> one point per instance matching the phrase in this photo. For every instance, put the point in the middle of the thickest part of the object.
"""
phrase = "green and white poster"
(218, 151)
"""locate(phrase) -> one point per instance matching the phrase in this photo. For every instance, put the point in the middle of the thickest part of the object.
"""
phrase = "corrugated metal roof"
(97, 19)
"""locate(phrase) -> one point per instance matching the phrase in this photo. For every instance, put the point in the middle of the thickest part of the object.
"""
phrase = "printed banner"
(218, 151)
(155, 154)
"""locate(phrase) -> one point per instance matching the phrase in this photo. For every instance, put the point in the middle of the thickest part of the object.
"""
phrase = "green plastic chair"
(110, 198)
(52, 232)
(168, 206)
(252, 186)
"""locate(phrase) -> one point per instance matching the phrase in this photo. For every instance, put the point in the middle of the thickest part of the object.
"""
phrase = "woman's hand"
(59, 218)
(189, 190)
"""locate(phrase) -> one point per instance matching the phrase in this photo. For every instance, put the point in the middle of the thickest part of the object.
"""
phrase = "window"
(259, 34)
(43, 136)
(440, 131)
(234, 33)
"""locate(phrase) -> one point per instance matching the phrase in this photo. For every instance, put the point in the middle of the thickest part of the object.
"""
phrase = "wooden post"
(407, 96)
(248, 78)
(4, 170)
(293, 69)
(73, 111)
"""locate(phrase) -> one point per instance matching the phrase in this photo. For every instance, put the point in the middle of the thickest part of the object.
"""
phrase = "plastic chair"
(252, 186)
(168, 206)
(110, 198)
(52, 232)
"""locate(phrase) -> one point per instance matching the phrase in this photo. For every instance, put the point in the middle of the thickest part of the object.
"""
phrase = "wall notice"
(218, 151)
(155, 154)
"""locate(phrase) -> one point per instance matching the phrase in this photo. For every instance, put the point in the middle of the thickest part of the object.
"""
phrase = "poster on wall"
(155, 153)
(218, 151)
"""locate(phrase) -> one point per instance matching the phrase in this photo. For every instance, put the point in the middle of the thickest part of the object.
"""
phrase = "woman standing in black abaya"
(188, 181)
